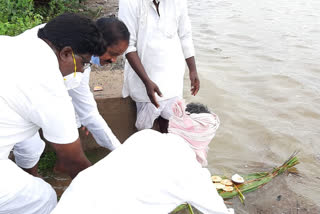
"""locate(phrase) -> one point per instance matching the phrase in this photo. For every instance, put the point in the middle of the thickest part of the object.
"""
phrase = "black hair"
(76, 31)
(113, 30)
(197, 108)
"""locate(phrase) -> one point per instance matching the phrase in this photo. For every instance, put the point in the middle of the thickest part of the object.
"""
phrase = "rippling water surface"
(260, 72)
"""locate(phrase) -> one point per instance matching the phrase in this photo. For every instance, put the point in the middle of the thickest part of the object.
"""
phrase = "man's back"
(31, 88)
(150, 173)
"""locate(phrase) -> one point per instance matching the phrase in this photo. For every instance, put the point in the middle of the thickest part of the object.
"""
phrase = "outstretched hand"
(152, 88)
(195, 83)
(85, 130)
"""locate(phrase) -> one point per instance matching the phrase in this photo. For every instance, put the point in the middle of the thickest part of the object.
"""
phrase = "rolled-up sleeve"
(128, 14)
(185, 31)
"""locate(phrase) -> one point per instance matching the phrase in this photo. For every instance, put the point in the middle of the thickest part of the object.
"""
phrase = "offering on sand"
(216, 179)
(226, 182)
(251, 182)
(219, 185)
(97, 88)
(254, 181)
(228, 188)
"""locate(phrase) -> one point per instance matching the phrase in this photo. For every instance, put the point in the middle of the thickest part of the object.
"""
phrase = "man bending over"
(152, 172)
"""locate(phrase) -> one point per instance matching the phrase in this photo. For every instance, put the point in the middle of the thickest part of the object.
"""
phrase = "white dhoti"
(147, 113)
(21, 193)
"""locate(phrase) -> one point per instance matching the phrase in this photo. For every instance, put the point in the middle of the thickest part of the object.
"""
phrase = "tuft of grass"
(47, 162)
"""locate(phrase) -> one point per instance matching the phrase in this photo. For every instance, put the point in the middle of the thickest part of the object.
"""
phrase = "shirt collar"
(157, 1)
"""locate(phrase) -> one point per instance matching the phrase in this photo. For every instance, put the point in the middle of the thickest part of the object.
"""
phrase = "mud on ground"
(106, 7)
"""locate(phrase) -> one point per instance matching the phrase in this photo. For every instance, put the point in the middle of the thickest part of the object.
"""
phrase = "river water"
(260, 72)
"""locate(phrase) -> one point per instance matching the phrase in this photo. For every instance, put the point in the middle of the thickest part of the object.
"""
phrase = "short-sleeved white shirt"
(32, 93)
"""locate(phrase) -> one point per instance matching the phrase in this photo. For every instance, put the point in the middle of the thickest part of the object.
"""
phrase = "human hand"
(85, 130)
(152, 88)
(70, 158)
(195, 82)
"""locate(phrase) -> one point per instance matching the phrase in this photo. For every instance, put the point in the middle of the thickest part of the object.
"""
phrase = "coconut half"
(237, 179)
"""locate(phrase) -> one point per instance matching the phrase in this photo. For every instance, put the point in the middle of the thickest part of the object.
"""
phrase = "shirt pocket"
(170, 27)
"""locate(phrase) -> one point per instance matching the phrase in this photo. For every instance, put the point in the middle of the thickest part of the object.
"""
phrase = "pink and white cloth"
(197, 129)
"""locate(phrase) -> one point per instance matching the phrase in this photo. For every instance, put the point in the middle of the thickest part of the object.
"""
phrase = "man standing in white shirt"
(116, 34)
(160, 44)
(34, 75)
(152, 172)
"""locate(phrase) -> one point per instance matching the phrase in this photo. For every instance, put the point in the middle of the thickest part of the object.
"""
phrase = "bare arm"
(185, 35)
(70, 158)
(151, 87)
(193, 74)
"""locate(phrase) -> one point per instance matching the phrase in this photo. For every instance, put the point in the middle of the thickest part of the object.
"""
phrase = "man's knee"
(22, 193)
(43, 199)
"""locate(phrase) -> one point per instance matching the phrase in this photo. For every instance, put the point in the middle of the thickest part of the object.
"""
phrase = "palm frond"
(254, 181)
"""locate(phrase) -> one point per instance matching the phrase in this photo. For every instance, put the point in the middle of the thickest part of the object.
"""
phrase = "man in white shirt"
(34, 75)
(116, 34)
(152, 172)
(160, 44)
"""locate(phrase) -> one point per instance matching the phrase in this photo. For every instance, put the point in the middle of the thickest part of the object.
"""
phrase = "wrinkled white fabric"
(28, 152)
(147, 112)
(162, 43)
(21, 193)
(145, 175)
(89, 116)
(72, 80)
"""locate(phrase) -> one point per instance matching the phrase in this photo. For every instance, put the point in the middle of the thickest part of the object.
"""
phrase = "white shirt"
(32, 94)
(150, 173)
(162, 44)
(89, 116)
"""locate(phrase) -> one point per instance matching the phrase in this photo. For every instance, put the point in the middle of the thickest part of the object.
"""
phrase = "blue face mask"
(95, 60)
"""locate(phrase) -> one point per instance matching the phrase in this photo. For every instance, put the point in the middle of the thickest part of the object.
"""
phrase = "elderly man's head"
(116, 35)
(74, 39)
(196, 124)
